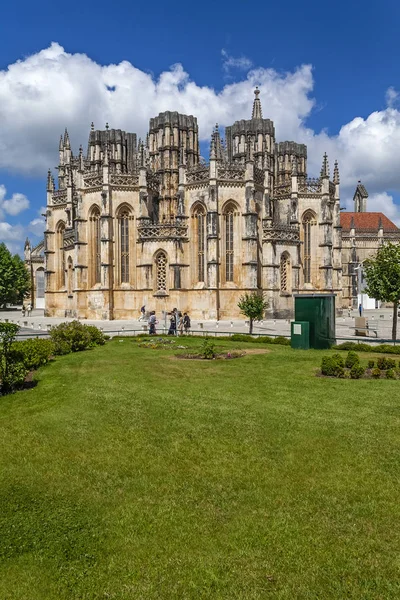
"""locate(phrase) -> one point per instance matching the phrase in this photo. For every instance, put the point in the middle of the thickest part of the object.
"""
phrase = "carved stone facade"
(149, 223)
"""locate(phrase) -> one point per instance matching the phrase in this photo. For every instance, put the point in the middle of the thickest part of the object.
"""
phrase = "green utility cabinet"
(319, 311)
(300, 335)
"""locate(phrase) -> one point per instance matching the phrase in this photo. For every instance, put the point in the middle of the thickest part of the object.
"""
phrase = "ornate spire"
(66, 140)
(219, 149)
(325, 166)
(61, 144)
(142, 162)
(257, 110)
(248, 148)
(213, 154)
(81, 162)
(92, 126)
(336, 178)
(50, 181)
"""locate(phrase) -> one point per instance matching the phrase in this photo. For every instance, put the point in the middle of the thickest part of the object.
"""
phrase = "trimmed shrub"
(376, 373)
(208, 349)
(97, 337)
(356, 371)
(70, 337)
(371, 364)
(33, 353)
(332, 366)
(352, 359)
(339, 359)
(390, 374)
(386, 363)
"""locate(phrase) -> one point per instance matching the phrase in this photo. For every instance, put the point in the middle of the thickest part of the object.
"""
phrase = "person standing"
(142, 313)
(172, 323)
(152, 323)
(360, 310)
(186, 323)
(180, 323)
(28, 310)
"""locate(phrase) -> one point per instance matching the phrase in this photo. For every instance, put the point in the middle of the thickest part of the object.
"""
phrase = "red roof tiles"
(366, 221)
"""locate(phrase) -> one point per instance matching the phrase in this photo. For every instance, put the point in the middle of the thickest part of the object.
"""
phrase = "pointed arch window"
(285, 273)
(95, 240)
(60, 256)
(161, 272)
(200, 223)
(124, 246)
(308, 222)
(229, 243)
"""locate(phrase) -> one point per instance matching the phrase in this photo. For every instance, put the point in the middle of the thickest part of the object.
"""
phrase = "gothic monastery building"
(150, 223)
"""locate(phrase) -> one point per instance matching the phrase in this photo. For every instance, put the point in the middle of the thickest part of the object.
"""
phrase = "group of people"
(178, 322)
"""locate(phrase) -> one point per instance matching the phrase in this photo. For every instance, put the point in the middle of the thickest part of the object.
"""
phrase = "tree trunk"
(251, 326)
(394, 326)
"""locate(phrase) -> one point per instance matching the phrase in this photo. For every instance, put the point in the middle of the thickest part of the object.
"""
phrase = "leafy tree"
(253, 307)
(14, 277)
(382, 274)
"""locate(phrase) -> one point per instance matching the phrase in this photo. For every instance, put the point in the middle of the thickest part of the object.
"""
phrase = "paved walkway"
(381, 320)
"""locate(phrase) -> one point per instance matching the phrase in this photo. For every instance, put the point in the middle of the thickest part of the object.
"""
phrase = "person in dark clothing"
(152, 323)
(360, 310)
(186, 322)
(172, 323)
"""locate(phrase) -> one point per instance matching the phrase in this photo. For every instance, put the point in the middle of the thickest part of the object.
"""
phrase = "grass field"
(126, 474)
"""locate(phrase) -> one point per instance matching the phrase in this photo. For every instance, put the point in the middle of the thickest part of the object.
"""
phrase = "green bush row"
(279, 340)
(334, 366)
(32, 353)
(360, 347)
(17, 358)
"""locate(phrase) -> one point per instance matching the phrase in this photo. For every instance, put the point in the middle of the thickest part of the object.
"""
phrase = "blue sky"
(328, 75)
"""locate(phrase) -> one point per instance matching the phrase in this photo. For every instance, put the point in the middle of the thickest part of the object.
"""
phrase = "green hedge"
(33, 353)
(360, 347)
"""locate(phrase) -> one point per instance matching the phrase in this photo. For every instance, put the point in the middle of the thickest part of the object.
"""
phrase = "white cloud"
(37, 226)
(229, 62)
(42, 94)
(13, 206)
(392, 96)
(51, 90)
(383, 202)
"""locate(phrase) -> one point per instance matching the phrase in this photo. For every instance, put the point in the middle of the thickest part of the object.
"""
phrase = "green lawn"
(126, 474)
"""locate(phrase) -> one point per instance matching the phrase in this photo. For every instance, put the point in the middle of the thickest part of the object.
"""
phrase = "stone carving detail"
(93, 181)
(231, 173)
(282, 191)
(69, 238)
(153, 181)
(60, 197)
(310, 186)
(198, 174)
(162, 231)
(258, 176)
(281, 234)
(124, 180)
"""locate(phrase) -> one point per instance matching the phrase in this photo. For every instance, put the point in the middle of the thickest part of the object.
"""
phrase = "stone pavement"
(37, 323)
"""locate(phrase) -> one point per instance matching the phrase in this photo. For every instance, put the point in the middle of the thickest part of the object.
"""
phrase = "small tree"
(253, 307)
(383, 278)
(14, 277)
